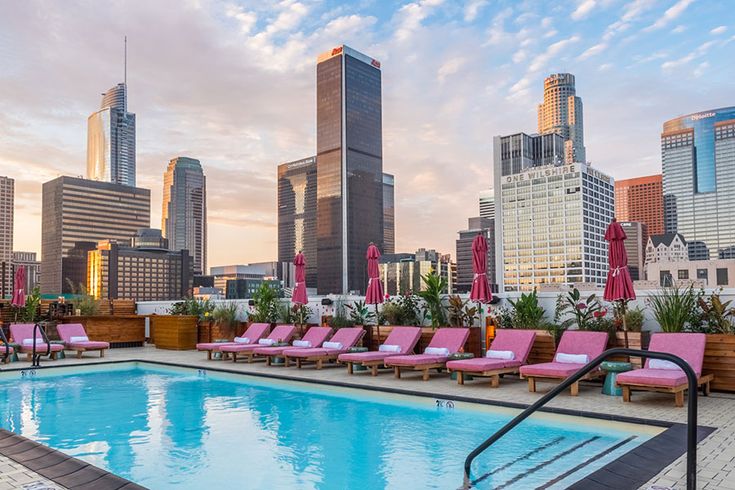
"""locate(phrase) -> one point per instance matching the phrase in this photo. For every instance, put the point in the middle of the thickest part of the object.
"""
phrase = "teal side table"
(613, 368)
(14, 355)
(279, 360)
(60, 354)
(458, 356)
(219, 354)
(358, 367)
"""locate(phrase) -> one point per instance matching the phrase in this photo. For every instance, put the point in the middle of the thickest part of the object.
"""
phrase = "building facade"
(297, 215)
(184, 216)
(465, 272)
(641, 199)
(32, 266)
(349, 168)
(246, 288)
(141, 272)
(487, 204)
(635, 246)
(669, 247)
(389, 213)
(699, 273)
(401, 273)
(257, 271)
(550, 225)
(111, 139)
(7, 210)
(78, 213)
(698, 159)
(561, 113)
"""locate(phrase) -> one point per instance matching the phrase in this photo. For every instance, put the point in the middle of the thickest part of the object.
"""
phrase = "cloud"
(592, 51)
(605, 67)
(472, 8)
(412, 15)
(584, 8)
(450, 67)
(670, 15)
(718, 30)
(701, 50)
(679, 29)
(497, 33)
(541, 60)
(245, 19)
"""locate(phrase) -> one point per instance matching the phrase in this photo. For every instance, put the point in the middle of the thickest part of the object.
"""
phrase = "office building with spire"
(561, 113)
(184, 215)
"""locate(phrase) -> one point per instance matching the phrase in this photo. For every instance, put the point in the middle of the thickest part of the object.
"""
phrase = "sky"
(233, 84)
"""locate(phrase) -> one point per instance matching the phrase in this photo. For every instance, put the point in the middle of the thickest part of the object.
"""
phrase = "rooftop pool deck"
(716, 456)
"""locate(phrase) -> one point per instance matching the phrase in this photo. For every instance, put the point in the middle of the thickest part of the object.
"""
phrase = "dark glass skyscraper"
(349, 167)
(297, 214)
(389, 214)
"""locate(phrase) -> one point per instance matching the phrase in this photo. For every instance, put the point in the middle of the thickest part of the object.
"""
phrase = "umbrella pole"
(625, 325)
(377, 323)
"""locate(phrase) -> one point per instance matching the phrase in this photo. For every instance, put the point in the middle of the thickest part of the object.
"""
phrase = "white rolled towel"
(571, 358)
(437, 351)
(242, 340)
(333, 345)
(39, 340)
(81, 338)
(662, 364)
(507, 355)
(389, 348)
(302, 343)
(266, 341)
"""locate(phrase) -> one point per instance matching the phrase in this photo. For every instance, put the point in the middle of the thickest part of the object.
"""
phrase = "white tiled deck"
(716, 454)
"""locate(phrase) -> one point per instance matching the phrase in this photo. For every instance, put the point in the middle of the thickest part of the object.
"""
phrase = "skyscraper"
(7, 208)
(465, 272)
(635, 245)
(389, 214)
(78, 213)
(487, 204)
(518, 152)
(349, 167)
(561, 113)
(184, 216)
(698, 159)
(641, 199)
(297, 215)
(111, 139)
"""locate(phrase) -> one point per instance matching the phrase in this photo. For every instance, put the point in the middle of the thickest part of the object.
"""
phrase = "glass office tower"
(389, 214)
(561, 113)
(698, 159)
(349, 168)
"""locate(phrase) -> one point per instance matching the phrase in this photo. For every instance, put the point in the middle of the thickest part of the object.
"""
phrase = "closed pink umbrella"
(480, 291)
(374, 294)
(619, 285)
(19, 285)
(299, 293)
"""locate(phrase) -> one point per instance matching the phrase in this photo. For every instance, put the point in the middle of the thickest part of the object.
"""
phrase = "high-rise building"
(641, 199)
(698, 159)
(487, 204)
(297, 216)
(184, 217)
(258, 271)
(111, 139)
(518, 152)
(635, 245)
(32, 266)
(349, 168)
(78, 213)
(145, 271)
(389, 213)
(561, 113)
(550, 225)
(465, 272)
(402, 272)
(7, 209)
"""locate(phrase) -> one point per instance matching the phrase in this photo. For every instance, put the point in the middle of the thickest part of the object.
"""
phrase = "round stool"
(60, 354)
(613, 368)
(358, 367)
(218, 354)
(458, 356)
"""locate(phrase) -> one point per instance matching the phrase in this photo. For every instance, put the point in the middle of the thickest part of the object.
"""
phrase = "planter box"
(636, 340)
(719, 359)
(210, 331)
(543, 349)
(119, 331)
(473, 344)
(174, 332)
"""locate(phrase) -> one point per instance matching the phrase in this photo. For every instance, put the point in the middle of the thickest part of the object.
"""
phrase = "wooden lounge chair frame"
(573, 389)
(677, 390)
(373, 365)
(422, 367)
(493, 374)
(82, 350)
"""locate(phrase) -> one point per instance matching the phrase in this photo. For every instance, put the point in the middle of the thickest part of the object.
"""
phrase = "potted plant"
(300, 315)
(360, 314)
(340, 318)
(435, 286)
(526, 313)
(265, 305)
(716, 318)
(226, 320)
(462, 313)
(672, 308)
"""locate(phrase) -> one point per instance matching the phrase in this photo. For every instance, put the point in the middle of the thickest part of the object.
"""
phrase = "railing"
(5, 342)
(36, 357)
(691, 415)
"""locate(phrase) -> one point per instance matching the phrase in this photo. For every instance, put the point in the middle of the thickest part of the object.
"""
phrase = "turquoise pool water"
(167, 427)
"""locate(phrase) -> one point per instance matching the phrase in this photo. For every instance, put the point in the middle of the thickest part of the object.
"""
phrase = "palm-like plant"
(527, 312)
(434, 287)
(266, 304)
(360, 313)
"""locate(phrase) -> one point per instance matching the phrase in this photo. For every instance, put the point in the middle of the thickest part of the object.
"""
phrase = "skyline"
(273, 54)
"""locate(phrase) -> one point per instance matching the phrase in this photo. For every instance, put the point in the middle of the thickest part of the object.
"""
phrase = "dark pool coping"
(631, 470)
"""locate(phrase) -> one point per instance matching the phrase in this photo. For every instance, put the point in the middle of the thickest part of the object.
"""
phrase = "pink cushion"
(366, 356)
(92, 345)
(450, 338)
(688, 346)
(68, 330)
(519, 342)
(660, 377)
(348, 337)
(215, 345)
(590, 343)
(238, 347)
(317, 335)
(41, 348)
(555, 369)
(480, 364)
(415, 360)
(266, 351)
(314, 352)
(404, 337)
(282, 333)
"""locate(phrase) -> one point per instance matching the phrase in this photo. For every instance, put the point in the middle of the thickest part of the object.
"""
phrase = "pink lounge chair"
(451, 339)
(73, 335)
(346, 337)
(519, 342)
(688, 346)
(22, 333)
(7, 354)
(282, 333)
(254, 333)
(315, 335)
(404, 338)
(573, 343)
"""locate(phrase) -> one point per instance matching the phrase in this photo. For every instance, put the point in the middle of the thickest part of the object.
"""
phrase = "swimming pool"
(166, 427)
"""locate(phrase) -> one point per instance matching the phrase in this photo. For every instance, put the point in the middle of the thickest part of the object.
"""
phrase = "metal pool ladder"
(36, 356)
(691, 409)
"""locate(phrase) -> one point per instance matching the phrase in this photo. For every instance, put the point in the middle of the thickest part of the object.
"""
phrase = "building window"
(702, 275)
(683, 274)
(665, 278)
(722, 277)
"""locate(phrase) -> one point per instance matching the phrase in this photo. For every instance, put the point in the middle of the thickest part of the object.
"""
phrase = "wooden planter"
(119, 330)
(473, 344)
(210, 331)
(636, 340)
(719, 359)
(543, 348)
(174, 332)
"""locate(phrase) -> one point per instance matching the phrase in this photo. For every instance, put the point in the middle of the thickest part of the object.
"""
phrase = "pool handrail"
(4, 340)
(36, 357)
(619, 351)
